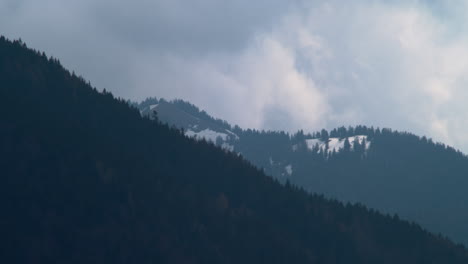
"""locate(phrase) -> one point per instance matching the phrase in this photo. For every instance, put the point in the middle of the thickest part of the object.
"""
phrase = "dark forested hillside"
(86, 179)
(394, 172)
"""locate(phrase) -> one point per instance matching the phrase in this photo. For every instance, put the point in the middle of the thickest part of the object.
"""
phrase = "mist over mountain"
(394, 172)
(86, 179)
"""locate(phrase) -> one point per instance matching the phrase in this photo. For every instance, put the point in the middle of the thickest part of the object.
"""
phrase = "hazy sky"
(268, 63)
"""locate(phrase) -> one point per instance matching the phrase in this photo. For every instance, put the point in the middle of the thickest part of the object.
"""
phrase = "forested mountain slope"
(85, 179)
(394, 172)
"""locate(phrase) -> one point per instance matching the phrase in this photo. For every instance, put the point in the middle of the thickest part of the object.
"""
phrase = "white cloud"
(399, 64)
(391, 65)
(245, 86)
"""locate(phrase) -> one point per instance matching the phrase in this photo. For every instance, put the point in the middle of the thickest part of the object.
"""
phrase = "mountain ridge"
(370, 170)
(86, 179)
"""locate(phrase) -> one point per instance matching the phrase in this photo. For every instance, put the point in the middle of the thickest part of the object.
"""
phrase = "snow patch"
(153, 106)
(289, 169)
(227, 146)
(211, 136)
(311, 143)
(336, 144)
(236, 137)
(206, 134)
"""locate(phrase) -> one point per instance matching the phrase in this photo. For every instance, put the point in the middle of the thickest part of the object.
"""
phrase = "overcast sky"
(268, 63)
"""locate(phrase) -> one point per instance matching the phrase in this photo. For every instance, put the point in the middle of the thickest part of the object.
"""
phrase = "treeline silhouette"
(414, 177)
(401, 173)
(86, 179)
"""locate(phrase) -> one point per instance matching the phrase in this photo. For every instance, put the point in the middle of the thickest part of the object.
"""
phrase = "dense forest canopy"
(394, 172)
(86, 179)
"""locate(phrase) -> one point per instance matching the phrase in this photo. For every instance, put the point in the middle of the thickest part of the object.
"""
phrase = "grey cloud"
(198, 26)
(11, 6)
(269, 64)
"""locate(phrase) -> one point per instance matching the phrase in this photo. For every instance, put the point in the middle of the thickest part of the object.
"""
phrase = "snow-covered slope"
(222, 139)
(336, 144)
(207, 134)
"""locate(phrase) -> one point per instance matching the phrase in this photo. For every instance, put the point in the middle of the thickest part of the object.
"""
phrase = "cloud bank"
(267, 64)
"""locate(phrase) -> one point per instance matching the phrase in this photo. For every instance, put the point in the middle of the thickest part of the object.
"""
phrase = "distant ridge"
(395, 172)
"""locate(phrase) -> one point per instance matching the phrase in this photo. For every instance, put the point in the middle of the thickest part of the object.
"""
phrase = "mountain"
(86, 179)
(394, 172)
